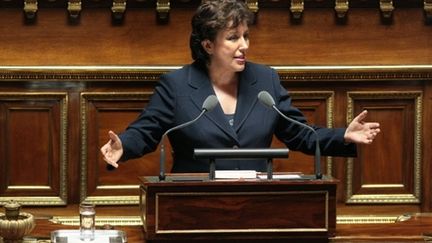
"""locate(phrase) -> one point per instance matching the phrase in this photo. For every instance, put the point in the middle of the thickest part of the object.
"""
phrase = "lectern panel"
(196, 208)
(257, 212)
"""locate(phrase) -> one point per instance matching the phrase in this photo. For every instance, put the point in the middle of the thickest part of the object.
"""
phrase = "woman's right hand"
(113, 150)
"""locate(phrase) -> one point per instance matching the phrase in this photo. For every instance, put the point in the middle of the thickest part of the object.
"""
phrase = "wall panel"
(317, 39)
(317, 106)
(34, 127)
(68, 81)
(100, 113)
(390, 170)
(73, 108)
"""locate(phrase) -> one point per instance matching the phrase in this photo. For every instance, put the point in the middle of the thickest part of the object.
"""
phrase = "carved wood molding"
(402, 194)
(30, 9)
(297, 8)
(428, 10)
(74, 8)
(85, 175)
(162, 9)
(386, 7)
(329, 97)
(45, 192)
(253, 6)
(118, 9)
(341, 8)
(152, 73)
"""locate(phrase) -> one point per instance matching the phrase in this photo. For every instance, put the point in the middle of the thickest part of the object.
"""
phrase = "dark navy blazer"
(178, 98)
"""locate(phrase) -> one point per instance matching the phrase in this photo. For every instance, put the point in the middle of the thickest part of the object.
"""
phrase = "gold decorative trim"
(297, 7)
(28, 187)
(118, 9)
(329, 97)
(152, 73)
(341, 8)
(143, 207)
(163, 9)
(386, 7)
(74, 8)
(85, 97)
(35, 201)
(83, 73)
(158, 195)
(212, 231)
(389, 198)
(113, 200)
(100, 220)
(137, 221)
(253, 7)
(367, 219)
(384, 198)
(63, 100)
(428, 9)
(355, 73)
(382, 186)
(30, 9)
(111, 187)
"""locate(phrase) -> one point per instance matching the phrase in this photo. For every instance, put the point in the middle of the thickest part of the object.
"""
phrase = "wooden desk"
(195, 208)
(410, 229)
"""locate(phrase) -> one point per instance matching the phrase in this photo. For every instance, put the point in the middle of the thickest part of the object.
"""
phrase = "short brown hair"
(211, 17)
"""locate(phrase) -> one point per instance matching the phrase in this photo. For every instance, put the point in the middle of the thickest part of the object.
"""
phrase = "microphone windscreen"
(266, 99)
(210, 102)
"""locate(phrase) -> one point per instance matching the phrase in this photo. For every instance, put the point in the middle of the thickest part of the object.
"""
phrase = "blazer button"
(235, 147)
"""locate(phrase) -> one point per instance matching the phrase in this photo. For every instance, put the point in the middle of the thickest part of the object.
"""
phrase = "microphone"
(268, 101)
(209, 104)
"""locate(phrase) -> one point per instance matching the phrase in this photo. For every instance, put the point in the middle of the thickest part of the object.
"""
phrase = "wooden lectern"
(191, 207)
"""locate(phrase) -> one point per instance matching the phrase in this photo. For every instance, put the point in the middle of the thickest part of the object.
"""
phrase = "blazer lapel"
(202, 84)
(247, 97)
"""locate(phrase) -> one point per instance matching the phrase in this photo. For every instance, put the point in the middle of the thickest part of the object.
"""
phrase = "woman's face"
(228, 50)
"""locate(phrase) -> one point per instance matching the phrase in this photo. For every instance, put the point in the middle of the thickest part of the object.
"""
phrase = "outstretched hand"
(361, 132)
(112, 150)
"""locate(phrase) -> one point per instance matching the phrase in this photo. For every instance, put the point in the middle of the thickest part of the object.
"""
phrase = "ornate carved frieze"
(386, 7)
(152, 73)
(74, 8)
(118, 9)
(428, 10)
(297, 8)
(30, 9)
(341, 8)
(253, 6)
(162, 9)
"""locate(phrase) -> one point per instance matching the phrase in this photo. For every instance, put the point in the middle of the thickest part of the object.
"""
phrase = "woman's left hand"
(361, 132)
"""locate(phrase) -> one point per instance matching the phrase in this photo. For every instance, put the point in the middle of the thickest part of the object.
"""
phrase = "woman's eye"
(232, 37)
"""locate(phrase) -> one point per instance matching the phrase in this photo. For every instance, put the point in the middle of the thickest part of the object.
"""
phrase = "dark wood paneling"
(244, 209)
(317, 106)
(102, 112)
(34, 144)
(392, 165)
(99, 104)
(316, 40)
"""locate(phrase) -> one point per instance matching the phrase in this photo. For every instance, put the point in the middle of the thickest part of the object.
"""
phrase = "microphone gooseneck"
(265, 98)
(209, 104)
